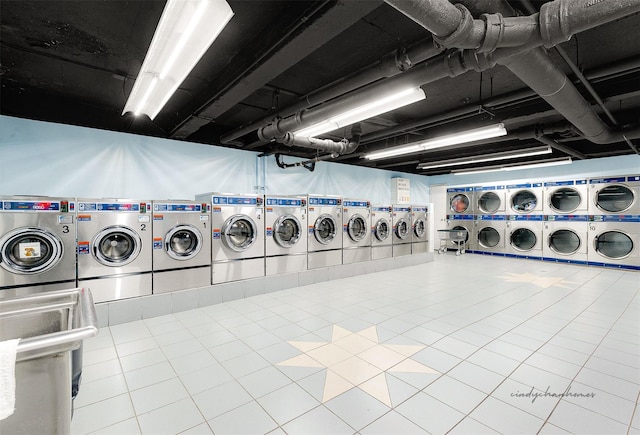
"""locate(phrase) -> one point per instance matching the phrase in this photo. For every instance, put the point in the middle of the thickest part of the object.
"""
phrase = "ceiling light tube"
(531, 165)
(186, 30)
(366, 111)
(505, 155)
(473, 135)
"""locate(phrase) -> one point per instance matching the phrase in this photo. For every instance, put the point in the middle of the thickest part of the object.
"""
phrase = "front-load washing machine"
(181, 245)
(381, 232)
(462, 222)
(114, 248)
(565, 239)
(524, 199)
(356, 237)
(460, 200)
(524, 234)
(566, 197)
(401, 221)
(614, 195)
(324, 238)
(37, 245)
(285, 230)
(614, 241)
(490, 200)
(237, 230)
(490, 234)
(419, 228)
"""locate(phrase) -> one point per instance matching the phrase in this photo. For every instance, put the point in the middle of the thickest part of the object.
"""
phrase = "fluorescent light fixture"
(186, 30)
(366, 111)
(531, 165)
(505, 155)
(442, 141)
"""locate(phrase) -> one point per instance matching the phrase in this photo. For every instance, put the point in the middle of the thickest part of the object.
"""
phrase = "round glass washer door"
(183, 242)
(325, 229)
(564, 242)
(28, 251)
(565, 200)
(614, 245)
(488, 237)
(523, 239)
(419, 228)
(116, 246)
(402, 229)
(287, 230)
(524, 201)
(459, 203)
(381, 229)
(489, 202)
(357, 228)
(239, 233)
(614, 199)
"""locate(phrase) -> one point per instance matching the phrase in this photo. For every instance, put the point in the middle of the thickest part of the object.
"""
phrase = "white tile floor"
(463, 345)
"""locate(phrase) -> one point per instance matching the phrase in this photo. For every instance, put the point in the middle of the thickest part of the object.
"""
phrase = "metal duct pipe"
(390, 65)
(342, 147)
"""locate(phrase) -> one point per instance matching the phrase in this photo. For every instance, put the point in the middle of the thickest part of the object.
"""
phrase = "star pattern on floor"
(357, 359)
(540, 281)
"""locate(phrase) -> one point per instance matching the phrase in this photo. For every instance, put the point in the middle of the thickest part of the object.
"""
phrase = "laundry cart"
(458, 237)
(50, 325)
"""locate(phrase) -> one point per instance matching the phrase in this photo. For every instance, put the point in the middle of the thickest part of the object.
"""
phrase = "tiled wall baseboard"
(129, 310)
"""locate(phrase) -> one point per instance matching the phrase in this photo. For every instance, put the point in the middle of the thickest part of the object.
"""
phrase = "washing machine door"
(614, 245)
(614, 199)
(564, 242)
(357, 228)
(28, 251)
(239, 232)
(287, 230)
(488, 237)
(402, 229)
(116, 246)
(325, 229)
(523, 239)
(381, 229)
(524, 201)
(489, 202)
(565, 200)
(459, 203)
(419, 228)
(183, 242)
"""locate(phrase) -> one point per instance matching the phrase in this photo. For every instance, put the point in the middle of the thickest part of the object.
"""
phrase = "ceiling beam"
(333, 22)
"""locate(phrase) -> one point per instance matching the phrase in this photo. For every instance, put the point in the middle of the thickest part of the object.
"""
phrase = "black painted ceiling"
(75, 62)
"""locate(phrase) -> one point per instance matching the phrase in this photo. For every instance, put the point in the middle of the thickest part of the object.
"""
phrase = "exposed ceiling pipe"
(388, 66)
(557, 22)
(334, 148)
(309, 165)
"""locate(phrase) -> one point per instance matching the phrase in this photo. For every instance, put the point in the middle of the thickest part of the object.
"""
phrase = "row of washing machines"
(129, 248)
(589, 221)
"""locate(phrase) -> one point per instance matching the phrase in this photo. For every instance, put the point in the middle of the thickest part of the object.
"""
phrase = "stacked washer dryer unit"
(419, 229)
(524, 223)
(114, 247)
(614, 222)
(461, 215)
(324, 238)
(490, 227)
(381, 232)
(401, 221)
(181, 245)
(237, 228)
(356, 237)
(564, 231)
(37, 245)
(285, 227)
